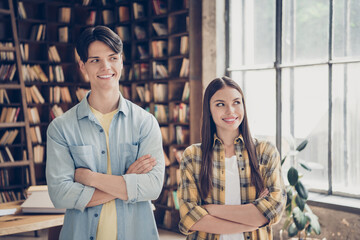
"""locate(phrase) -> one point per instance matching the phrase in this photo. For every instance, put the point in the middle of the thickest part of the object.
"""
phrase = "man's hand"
(84, 176)
(142, 165)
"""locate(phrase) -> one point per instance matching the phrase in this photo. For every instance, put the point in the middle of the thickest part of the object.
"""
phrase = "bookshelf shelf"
(15, 164)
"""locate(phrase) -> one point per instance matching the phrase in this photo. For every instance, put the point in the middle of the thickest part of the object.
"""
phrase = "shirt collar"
(84, 107)
(237, 140)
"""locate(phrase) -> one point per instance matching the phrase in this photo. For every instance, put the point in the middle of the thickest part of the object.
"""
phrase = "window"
(298, 65)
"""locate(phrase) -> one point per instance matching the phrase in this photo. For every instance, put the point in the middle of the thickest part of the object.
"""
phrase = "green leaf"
(300, 219)
(283, 160)
(307, 208)
(303, 193)
(302, 145)
(293, 176)
(289, 195)
(292, 230)
(300, 202)
(314, 222)
(305, 166)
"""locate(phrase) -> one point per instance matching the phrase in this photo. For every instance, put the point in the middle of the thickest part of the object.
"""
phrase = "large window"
(298, 63)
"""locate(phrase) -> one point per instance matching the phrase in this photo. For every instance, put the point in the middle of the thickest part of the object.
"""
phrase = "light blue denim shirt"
(76, 139)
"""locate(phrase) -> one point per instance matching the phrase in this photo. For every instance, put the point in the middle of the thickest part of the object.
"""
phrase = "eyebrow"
(108, 56)
(235, 99)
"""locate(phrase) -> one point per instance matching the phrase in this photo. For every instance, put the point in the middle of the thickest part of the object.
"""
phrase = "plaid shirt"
(190, 201)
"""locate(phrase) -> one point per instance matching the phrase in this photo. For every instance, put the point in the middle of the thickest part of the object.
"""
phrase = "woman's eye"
(114, 58)
(237, 102)
(220, 105)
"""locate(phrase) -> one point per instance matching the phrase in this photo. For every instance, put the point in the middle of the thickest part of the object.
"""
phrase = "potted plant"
(300, 221)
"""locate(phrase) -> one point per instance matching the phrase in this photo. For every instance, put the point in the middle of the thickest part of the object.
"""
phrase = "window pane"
(346, 128)
(346, 34)
(259, 91)
(305, 30)
(305, 116)
(256, 27)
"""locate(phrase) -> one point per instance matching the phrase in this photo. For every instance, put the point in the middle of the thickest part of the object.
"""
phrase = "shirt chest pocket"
(83, 157)
(128, 153)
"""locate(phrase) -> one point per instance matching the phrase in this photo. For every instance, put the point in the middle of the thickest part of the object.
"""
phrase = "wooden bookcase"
(154, 77)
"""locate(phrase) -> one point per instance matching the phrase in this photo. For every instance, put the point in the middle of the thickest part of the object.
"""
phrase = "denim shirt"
(77, 140)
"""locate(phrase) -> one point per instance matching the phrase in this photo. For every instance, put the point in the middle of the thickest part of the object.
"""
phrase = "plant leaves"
(300, 219)
(314, 222)
(283, 160)
(305, 165)
(302, 145)
(303, 193)
(293, 176)
(292, 230)
(300, 202)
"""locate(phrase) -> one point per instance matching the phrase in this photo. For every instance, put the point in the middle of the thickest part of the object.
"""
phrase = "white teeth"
(105, 76)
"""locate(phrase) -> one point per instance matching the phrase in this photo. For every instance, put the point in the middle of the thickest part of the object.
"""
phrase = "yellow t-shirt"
(107, 227)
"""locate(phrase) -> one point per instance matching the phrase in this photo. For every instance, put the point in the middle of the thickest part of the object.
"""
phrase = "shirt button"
(96, 215)
(240, 155)
(248, 237)
(91, 238)
(101, 130)
(242, 169)
(222, 188)
(103, 152)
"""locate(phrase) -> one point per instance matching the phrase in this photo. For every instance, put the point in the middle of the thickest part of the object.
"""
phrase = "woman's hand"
(264, 193)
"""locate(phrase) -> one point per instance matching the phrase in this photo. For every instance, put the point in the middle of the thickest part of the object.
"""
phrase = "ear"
(82, 66)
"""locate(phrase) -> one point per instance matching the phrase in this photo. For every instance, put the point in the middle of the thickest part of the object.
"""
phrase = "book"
(160, 29)
(124, 14)
(64, 14)
(39, 201)
(63, 34)
(139, 11)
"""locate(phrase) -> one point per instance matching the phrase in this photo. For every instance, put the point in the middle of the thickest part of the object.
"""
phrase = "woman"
(231, 184)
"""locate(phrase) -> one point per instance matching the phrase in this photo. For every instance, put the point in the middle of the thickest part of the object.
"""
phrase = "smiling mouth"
(230, 120)
(106, 76)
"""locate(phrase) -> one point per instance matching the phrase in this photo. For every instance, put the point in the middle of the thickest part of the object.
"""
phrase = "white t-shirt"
(232, 192)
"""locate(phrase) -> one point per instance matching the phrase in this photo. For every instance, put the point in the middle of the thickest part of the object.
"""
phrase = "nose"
(229, 109)
(105, 64)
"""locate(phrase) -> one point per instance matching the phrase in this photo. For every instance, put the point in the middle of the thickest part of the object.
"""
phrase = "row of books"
(159, 70)
(54, 54)
(6, 156)
(9, 137)
(39, 153)
(33, 95)
(159, 7)
(38, 32)
(35, 73)
(181, 113)
(7, 55)
(10, 196)
(7, 72)
(9, 114)
(180, 134)
(4, 177)
(4, 97)
(161, 113)
(56, 111)
(143, 92)
(35, 135)
(34, 117)
(58, 94)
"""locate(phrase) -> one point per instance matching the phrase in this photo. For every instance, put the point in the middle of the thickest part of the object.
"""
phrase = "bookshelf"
(162, 38)
(16, 156)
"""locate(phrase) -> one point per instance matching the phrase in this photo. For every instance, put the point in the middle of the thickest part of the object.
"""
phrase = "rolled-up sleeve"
(144, 187)
(189, 197)
(273, 205)
(60, 169)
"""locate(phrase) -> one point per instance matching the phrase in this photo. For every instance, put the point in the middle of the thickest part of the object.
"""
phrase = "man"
(91, 151)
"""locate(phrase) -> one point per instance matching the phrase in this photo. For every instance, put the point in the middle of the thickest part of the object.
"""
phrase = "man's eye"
(94, 61)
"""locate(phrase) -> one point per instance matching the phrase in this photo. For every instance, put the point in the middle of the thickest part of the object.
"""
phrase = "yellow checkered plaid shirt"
(270, 206)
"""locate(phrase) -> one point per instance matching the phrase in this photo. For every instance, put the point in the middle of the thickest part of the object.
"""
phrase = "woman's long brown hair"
(207, 139)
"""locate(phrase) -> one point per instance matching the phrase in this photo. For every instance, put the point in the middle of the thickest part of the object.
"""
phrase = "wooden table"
(19, 223)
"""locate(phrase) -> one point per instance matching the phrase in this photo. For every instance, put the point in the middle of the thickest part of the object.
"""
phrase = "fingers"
(142, 165)
(264, 193)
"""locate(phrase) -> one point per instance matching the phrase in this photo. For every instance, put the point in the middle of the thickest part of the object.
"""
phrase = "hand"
(142, 165)
(84, 176)
(264, 193)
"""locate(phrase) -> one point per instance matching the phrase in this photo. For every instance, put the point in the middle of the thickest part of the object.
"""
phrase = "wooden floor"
(43, 235)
